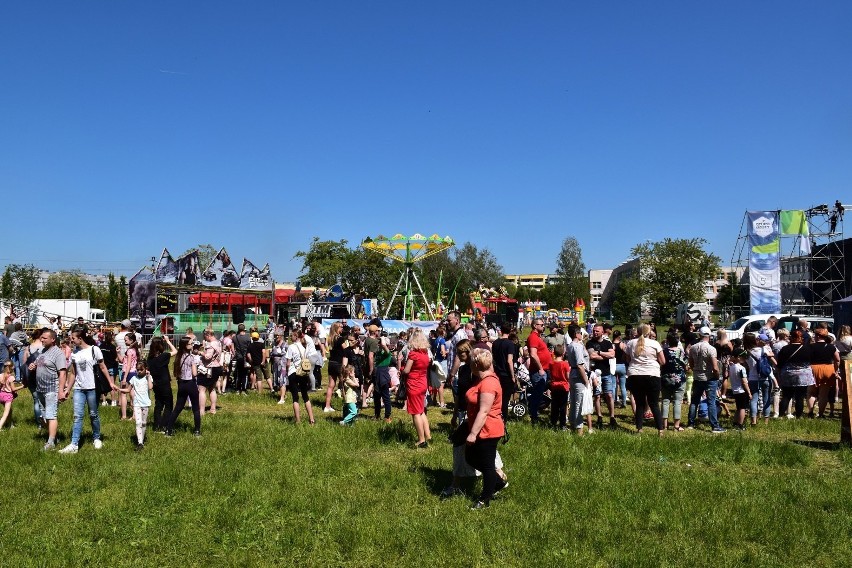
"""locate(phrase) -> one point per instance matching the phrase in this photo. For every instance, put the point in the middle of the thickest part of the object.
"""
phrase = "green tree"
(732, 299)
(324, 263)
(627, 300)
(122, 305)
(571, 279)
(19, 283)
(673, 271)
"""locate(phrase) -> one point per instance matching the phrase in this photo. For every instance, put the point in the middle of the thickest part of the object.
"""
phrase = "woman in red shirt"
(416, 369)
(486, 425)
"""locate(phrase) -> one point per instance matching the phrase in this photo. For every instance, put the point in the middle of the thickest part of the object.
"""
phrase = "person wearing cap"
(256, 357)
(705, 371)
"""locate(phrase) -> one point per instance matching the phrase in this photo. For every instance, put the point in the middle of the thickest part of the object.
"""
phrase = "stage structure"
(792, 261)
(408, 251)
(176, 293)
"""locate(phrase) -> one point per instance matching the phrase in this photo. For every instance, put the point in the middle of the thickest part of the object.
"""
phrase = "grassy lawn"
(259, 490)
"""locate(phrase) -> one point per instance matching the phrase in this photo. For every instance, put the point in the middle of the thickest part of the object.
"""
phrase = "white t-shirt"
(295, 352)
(84, 362)
(120, 344)
(141, 396)
(645, 363)
(736, 374)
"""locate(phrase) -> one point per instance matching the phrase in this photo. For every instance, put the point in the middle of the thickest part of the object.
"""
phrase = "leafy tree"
(571, 280)
(732, 298)
(627, 300)
(19, 283)
(122, 305)
(324, 263)
(673, 271)
(369, 274)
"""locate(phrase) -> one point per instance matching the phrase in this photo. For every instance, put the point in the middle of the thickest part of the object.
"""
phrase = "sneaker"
(69, 449)
(791, 417)
(600, 423)
(197, 433)
(140, 447)
(451, 492)
(282, 402)
(328, 409)
(613, 423)
(105, 403)
(113, 403)
(499, 489)
(97, 444)
(49, 446)
(478, 505)
(422, 445)
(718, 430)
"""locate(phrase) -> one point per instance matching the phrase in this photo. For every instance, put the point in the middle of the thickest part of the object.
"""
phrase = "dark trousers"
(481, 456)
(646, 391)
(558, 406)
(797, 395)
(508, 386)
(186, 390)
(381, 392)
(163, 405)
(242, 374)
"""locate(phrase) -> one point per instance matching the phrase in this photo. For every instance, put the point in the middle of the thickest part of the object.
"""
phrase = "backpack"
(764, 367)
(673, 370)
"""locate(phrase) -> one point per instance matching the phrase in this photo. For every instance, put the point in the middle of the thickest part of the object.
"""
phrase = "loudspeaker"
(238, 314)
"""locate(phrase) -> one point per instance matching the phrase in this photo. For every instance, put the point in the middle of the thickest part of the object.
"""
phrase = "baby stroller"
(519, 403)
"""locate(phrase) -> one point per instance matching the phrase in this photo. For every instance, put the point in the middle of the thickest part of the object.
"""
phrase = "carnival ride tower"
(408, 251)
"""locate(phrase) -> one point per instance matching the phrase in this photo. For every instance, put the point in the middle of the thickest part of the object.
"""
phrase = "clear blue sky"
(127, 127)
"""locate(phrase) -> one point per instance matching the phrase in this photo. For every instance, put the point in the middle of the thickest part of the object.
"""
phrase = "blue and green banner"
(764, 241)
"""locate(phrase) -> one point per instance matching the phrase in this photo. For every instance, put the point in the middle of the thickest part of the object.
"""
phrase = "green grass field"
(259, 490)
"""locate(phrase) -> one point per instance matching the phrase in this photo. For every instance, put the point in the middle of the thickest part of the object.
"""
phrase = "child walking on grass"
(559, 370)
(350, 395)
(7, 392)
(139, 387)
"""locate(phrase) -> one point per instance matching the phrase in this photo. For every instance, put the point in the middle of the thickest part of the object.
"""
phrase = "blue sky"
(127, 127)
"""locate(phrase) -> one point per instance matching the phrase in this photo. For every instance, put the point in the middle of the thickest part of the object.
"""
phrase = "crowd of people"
(583, 373)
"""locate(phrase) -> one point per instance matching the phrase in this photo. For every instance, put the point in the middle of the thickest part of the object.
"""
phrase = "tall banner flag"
(221, 272)
(795, 222)
(252, 277)
(764, 262)
(167, 269)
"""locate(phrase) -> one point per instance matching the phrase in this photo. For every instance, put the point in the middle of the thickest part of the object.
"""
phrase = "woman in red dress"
(416, 369)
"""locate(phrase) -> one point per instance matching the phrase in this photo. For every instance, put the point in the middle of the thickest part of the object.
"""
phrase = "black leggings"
(508, 386)
(164, 403)
(646, 391)
(797, 395)
(297, 384)
(558, 406)
(481, 456)
(186, 390)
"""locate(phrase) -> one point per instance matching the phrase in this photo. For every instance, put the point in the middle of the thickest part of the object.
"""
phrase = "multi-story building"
(598, 279)
(534, 281)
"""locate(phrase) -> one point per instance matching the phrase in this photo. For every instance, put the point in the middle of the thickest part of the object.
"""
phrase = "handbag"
(460, 434)
(437, 375)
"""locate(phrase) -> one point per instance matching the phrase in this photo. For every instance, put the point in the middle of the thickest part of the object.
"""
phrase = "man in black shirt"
(503, 353)
(601, 352)
(241, 346)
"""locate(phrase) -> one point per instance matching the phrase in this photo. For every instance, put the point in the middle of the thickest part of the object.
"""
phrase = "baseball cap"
(372, 327)
(763, 337)
(255, 335)
(705, 331)
(125, 323)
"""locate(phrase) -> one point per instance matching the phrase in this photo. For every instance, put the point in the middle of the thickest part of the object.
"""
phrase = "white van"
(749, 324)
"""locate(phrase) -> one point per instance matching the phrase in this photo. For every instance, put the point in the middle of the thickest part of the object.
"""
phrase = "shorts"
(6, 397)
(823, 374)
(742, 400)
(259, 370)
(49, 403)
(334, 369)
(608, 384)
(208, 381)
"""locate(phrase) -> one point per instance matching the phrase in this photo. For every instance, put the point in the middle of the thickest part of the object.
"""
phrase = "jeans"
(674, 396)
(764, 387)
(577, 392)
(36, 405)
(539, 385)
(381, 392)
(16, 361)
(699, 388)
(82, 398)
(621, 381)
(558, 406)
